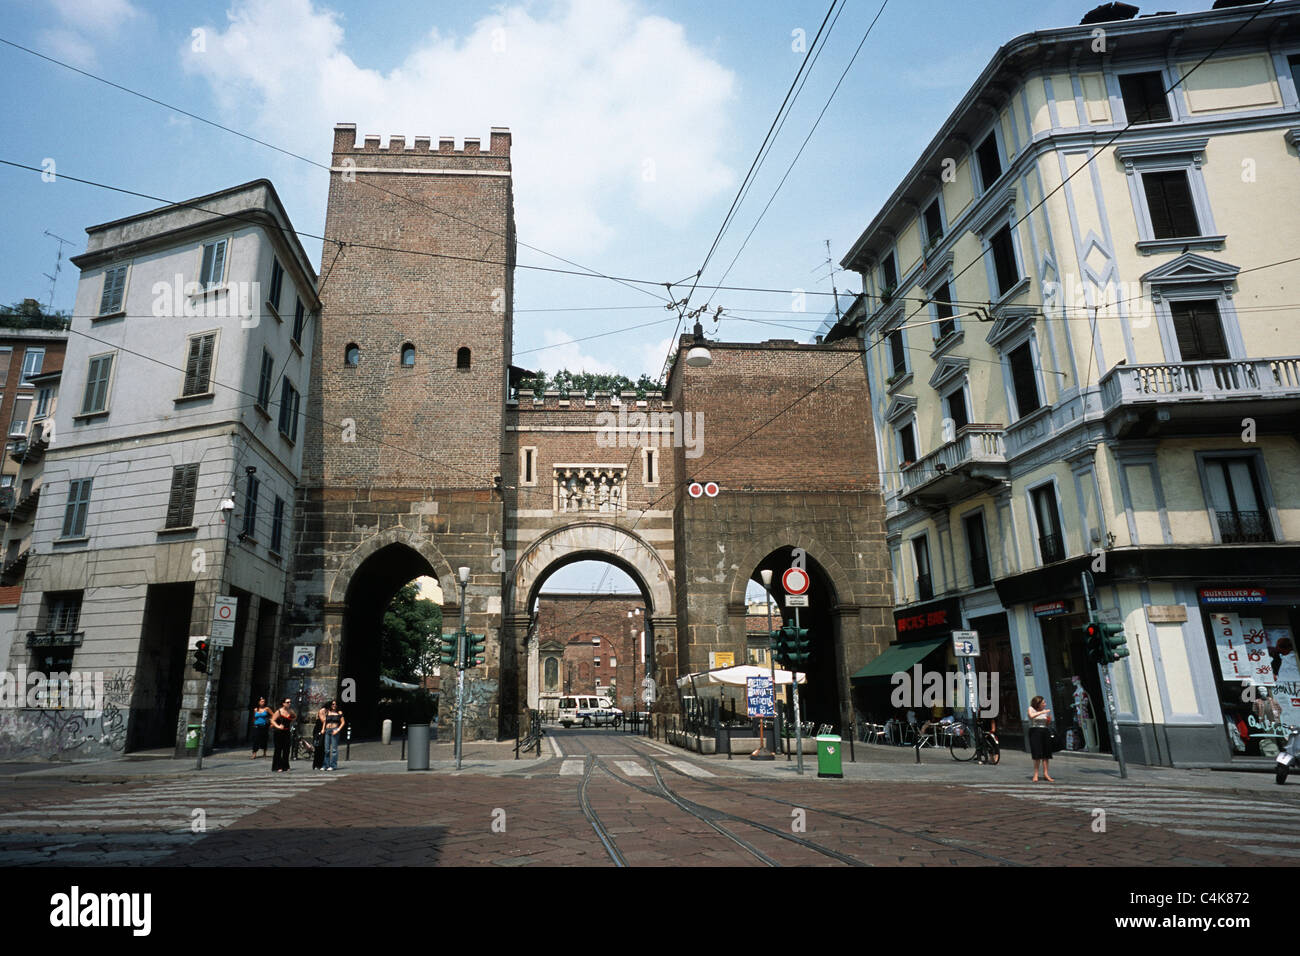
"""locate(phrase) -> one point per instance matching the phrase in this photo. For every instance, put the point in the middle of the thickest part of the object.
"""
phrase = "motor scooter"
(1288, 758)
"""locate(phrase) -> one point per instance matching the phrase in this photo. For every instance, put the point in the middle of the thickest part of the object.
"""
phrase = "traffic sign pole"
(794, 679)
(1112, 708)
(207, 699)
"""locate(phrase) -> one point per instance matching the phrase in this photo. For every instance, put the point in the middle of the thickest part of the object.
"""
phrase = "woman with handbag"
(1040, 736)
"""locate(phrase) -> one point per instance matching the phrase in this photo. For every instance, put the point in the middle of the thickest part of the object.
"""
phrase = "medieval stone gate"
(422, 458)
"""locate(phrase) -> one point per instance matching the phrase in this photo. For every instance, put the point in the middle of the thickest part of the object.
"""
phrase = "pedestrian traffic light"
(201, 657)
(475, 646)
(447, 649)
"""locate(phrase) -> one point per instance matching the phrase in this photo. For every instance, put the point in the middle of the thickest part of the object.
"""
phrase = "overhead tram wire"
(587, 270)
(804, 144)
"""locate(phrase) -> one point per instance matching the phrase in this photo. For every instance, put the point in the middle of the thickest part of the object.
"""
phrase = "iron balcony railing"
(1244, 527)
(1220, 379)
(979, 571)
(974, 444)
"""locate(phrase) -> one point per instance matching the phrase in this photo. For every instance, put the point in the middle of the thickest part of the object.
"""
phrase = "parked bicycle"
(970, 741)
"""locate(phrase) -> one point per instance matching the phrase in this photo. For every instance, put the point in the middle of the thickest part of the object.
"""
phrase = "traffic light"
(1092, 642)
(475, 645)
(447, 649)
(777, 641)
(1106, 643)
(201, 657)
(800, 646)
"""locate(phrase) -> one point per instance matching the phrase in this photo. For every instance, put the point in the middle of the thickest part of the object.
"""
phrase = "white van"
(589, 710)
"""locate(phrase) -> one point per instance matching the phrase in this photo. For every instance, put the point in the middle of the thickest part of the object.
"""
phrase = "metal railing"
(1052, 548)
(1244, 527)
(975, 443)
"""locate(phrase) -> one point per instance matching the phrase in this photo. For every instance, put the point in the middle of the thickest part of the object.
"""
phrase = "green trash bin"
(192, 736)
(830, 763)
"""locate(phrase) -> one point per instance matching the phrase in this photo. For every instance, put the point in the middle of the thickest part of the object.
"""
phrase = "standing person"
(333, 727)
(282, 724)
(261, 726)
(318, 742)
(1040, 736)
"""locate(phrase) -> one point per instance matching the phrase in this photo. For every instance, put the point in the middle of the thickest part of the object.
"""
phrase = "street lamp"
(462, 574)
(699, 355)
(762, 753)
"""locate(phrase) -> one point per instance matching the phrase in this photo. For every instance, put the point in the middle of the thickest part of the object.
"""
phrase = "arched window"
(462, 358)
(408, 355)
(352, 354)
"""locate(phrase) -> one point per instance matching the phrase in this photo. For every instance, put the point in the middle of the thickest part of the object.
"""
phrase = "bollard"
(348, 755)
(417, 756)
(387, 734)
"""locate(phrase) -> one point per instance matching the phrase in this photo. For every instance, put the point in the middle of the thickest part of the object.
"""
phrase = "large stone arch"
(840, 580)
(337, 582)
(591, 540)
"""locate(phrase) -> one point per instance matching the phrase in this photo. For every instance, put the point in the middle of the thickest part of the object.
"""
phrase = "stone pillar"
(514, 633)
(664, 670)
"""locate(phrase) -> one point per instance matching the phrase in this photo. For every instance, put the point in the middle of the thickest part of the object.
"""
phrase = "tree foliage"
(588, 383)
(410, 627)
(28, 314)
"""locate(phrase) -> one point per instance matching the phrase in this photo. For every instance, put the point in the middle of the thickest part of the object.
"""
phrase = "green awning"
(898, 657)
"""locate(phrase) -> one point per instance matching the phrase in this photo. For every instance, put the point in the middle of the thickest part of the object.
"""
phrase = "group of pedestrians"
(325, 736)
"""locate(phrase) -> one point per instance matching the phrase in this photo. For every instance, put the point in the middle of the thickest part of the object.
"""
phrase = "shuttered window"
(933, 219)
(277, 524)
(114, 285)
(180, 505)
(1144, 98)
(289, 411)
(1199, 331)
(265, 380)
(198, 366)
(213, 269)
(74, 515)
(299, 320)
(1024, 381)
(96, 397)
(1169, 201)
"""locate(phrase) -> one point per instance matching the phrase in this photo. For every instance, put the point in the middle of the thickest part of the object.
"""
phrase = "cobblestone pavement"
(601, 798)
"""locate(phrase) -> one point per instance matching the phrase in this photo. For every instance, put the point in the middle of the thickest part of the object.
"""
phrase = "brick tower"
(406, 413)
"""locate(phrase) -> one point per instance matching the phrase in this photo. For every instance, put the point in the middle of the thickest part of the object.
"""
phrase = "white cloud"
(561, 352)
(69, 46)
(616, 117)
(97, 16)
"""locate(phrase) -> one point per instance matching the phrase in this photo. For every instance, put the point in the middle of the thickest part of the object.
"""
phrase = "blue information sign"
(759, 692)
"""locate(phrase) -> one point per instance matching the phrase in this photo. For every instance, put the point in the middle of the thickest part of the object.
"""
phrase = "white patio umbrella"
(714, 683)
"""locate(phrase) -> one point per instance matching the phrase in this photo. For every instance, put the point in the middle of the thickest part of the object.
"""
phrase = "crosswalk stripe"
(631, 768)
(688, 768)
(1237, 835)
(572, 767)
(1267, 851)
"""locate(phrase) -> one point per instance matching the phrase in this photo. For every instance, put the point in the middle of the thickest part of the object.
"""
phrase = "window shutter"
(205, 270)
(101, 386)
(192, 368)
(204, 371)
(218, 262)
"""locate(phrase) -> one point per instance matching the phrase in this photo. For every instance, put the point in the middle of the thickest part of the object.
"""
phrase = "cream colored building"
(1078, 315)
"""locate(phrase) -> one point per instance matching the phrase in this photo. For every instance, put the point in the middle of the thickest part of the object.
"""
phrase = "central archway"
(593, 541)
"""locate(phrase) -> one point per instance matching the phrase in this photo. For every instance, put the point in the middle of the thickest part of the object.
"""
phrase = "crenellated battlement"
(526, 399)
(345, 141)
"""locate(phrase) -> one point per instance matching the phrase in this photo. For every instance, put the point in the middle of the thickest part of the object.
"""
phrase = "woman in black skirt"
(1040, 736)
(282, 727)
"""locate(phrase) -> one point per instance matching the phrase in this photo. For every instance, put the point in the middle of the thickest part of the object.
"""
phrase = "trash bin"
(830, 762)
(192, 736)
(417, 747)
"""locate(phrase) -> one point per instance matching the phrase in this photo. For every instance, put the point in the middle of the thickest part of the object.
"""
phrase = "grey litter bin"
(722, 738)
(417, 747)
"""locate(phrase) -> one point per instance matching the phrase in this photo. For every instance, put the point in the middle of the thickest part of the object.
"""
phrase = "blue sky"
(634, 121)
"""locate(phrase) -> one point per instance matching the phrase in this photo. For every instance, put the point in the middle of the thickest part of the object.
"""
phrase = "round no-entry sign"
(795, 581)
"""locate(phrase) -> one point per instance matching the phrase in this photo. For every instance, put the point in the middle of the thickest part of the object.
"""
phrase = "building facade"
(171, 473)
(1076, 319)
(587, 644)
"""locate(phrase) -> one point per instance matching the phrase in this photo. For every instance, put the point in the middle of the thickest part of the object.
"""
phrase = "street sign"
(695, 489)
(223, 621)
(795, 581)
(721, 659)
(758, 692)
(219, 641)
(711, 489)
(966, 643)
(304, 656)
(796, 600)
(648, 690)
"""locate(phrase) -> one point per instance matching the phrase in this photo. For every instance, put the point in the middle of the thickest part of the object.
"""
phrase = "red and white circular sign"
(711, 489)
(695, 489)
(225, 611)
(795, 581)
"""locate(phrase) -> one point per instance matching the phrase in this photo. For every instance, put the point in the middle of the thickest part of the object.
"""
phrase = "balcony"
(1192, 398)
(1052, 548)
(29, 450)
(973, 462)
(25, 506)
(1244, 527)
(13, 568)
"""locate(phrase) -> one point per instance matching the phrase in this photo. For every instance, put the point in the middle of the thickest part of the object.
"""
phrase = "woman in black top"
(317, 742)
(282, 724)
(333, 727)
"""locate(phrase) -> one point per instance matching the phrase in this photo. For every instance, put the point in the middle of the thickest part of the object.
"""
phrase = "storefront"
(1251, 636)
(923, 636)
(997, 657)
(1077, 702)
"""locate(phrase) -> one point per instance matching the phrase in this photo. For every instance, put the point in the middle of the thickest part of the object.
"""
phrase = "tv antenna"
(58, 267)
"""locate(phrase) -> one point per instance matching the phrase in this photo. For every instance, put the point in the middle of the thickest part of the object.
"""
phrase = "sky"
(634, 122)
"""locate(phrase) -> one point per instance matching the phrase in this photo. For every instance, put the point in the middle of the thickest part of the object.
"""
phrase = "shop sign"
(1242, 644)
(929, 620)
(1232, 595)
(718, 659)
(1166, 613)
(1050, 609)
